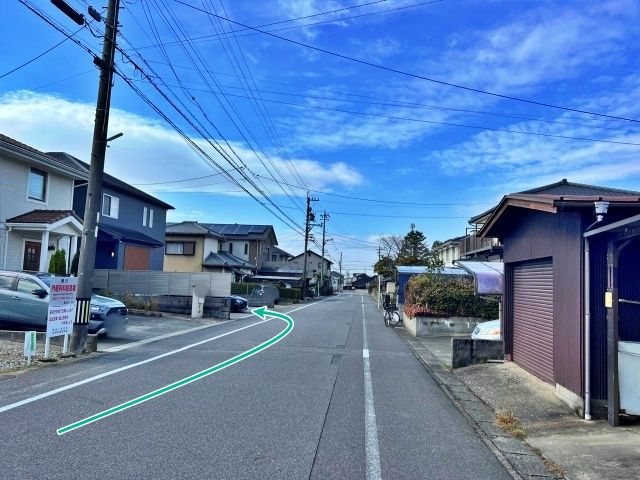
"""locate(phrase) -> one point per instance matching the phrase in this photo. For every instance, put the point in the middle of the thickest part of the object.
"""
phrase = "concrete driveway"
(142, 329)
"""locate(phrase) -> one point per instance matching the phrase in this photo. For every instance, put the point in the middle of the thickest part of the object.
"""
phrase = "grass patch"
(507, 420)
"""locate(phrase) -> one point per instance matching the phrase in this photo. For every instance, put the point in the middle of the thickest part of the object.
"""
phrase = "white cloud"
(510, 162)
(148, 151)
(540, 50)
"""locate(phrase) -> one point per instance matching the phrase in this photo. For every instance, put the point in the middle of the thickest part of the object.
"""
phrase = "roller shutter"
(533, 318)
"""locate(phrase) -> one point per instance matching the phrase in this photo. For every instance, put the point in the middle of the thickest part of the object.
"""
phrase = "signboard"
(29, 344)
(62, 306)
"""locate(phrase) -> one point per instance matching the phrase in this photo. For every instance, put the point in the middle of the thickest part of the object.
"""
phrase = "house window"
(110, 206)
(246, 248)
(147, 217)
(274, 258)
(230, 247)
(180, 248)
(37, 185)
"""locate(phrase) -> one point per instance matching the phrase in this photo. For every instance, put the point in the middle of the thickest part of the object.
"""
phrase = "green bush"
(58, 263)
(446, 296)
(243, 288)
(290, 293)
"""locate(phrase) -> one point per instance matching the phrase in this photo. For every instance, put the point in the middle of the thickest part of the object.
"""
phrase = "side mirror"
(40, 292)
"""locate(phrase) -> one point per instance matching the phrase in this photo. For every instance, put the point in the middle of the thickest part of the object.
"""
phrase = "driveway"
(142, 329)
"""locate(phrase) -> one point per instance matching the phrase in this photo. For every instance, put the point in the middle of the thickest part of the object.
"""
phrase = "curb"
(518, 457)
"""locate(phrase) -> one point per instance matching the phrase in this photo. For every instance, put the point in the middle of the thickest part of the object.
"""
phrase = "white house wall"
(210, 245)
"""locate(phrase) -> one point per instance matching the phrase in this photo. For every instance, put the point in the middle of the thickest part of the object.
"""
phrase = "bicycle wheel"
(387, 317)
(394, 318)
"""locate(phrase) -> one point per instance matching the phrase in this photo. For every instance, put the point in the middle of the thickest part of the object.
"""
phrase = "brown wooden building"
(543, 235)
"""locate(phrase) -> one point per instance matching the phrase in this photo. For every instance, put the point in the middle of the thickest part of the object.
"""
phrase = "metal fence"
(213, 284)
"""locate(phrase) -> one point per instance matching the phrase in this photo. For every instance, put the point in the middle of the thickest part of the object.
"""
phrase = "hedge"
(446, 296)
(243, 288)
(290, 293)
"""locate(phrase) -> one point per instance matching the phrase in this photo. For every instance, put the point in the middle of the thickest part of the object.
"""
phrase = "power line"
(396, 103)
(411, 75)
(448, 124)
(28, 62)
(211, 37)
(186, 179)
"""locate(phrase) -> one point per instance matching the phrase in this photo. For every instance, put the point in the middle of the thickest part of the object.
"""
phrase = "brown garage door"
(533, 318)
(136, 258)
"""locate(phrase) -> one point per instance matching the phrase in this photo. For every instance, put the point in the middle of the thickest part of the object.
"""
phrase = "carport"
(612, 263)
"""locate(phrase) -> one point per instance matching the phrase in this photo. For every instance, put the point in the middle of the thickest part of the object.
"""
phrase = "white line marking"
(372, 449)
(40, 396)
(127, 346)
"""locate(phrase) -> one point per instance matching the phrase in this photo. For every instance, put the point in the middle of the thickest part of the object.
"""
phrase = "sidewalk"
(581, 450)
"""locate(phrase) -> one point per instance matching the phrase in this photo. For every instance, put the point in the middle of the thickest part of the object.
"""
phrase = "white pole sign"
(29, 345)
(62, 306)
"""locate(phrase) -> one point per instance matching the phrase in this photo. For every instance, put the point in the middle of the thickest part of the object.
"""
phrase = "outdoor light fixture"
(601, 209)
(113, 254)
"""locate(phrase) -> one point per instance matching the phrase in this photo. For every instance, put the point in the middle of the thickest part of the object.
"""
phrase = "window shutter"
(144, 217)
(115, 204)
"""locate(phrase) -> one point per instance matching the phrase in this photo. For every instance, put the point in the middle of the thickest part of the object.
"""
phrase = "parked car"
(487, 331)
(270, 295)
(24, 303)
(238, 304)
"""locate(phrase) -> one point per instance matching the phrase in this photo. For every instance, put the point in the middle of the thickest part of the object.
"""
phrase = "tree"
(385, 267)
(391, 245)
(58, 263)
(415, 251)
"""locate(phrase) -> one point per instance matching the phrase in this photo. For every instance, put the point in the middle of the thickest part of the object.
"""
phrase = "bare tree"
(391, 246)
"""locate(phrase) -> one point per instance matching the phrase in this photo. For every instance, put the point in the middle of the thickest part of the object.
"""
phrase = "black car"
(238, 304)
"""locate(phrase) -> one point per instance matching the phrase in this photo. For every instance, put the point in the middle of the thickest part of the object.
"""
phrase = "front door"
(31, 260)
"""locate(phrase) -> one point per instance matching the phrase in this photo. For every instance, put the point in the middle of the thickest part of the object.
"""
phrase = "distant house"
(314, 263)
(36, 207)
(337, 281)
(361, 280)
(571, 253)
(472, 246)
(449, 251)
(203, 247)
(131, 225)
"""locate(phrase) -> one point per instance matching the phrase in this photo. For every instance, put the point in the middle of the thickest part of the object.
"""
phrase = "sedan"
(238, 304)
(487, 331)
(24, 303)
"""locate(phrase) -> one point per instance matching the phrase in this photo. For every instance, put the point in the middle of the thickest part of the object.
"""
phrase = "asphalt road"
(319, 404)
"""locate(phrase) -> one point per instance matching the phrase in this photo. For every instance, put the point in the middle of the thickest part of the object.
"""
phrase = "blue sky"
(355, 131)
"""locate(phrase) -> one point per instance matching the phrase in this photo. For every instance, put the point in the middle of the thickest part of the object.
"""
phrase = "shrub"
(290, 293)
(243, 288)
(446, 296)
(58, 263)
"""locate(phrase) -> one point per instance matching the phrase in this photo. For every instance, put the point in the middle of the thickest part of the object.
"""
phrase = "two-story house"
(449, 251)
(197, 247)
(314, 264)
(131, 223)
(36, 200)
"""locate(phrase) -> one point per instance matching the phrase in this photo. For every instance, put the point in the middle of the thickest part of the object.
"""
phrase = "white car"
(487, 331)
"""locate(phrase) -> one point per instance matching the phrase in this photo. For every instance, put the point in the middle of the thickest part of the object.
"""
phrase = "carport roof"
(488, 277)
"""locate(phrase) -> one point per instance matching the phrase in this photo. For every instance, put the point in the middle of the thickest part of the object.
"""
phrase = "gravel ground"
(12, 358)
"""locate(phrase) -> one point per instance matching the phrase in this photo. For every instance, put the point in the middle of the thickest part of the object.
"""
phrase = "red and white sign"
(62, 306)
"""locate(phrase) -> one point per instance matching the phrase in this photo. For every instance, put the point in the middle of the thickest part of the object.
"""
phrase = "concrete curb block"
(518, 457)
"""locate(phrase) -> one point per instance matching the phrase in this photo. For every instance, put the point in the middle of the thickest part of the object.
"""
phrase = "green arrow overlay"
(261, 312)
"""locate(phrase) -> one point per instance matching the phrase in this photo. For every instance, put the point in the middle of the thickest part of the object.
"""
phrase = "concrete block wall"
(465, 351)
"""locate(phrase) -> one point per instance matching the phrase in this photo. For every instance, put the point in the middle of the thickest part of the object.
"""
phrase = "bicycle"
(391, 315)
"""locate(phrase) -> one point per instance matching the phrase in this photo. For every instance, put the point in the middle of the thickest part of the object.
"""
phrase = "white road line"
(371, 447)
(127, 346)
(40, 396)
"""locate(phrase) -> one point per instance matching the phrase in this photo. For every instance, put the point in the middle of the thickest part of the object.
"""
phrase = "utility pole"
(87, 258)
(341, 280)
(325, 217)
(310, 217)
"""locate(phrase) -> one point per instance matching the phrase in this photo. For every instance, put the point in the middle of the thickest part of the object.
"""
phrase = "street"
(340, 397)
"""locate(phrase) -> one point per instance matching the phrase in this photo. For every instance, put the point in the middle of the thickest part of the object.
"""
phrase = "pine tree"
(415, 250)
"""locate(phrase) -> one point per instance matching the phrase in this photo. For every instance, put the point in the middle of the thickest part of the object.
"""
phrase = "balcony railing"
(471, 244)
